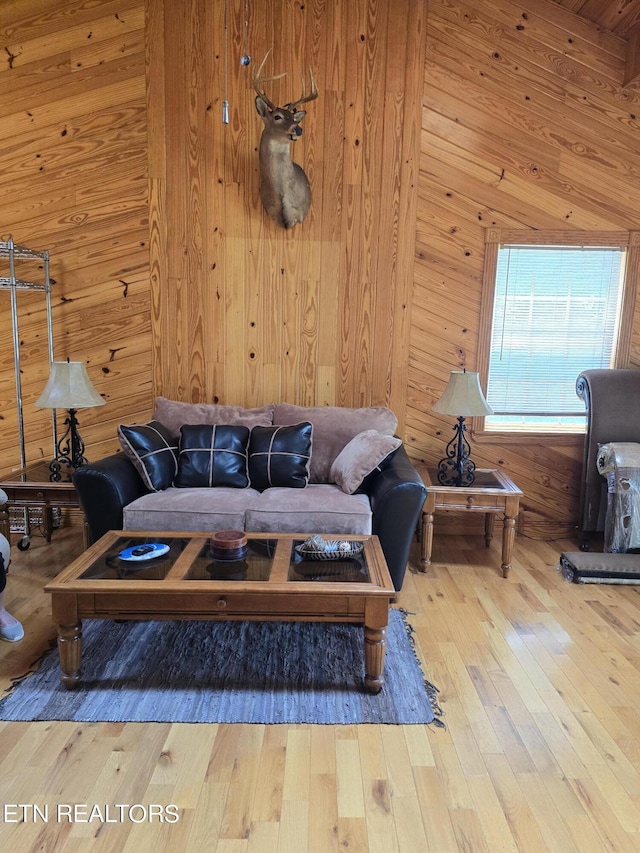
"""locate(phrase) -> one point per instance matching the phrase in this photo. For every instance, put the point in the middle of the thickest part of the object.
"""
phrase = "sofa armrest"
(104, 489)
(397, 494)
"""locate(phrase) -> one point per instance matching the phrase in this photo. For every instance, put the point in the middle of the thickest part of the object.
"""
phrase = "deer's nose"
(297, 130)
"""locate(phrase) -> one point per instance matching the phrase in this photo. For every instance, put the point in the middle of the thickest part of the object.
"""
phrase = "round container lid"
(228, 539)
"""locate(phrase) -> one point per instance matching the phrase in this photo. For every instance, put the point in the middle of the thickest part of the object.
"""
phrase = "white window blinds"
(556, 313)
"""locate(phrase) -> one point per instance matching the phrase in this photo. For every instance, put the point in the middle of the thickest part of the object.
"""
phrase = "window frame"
(496, 237)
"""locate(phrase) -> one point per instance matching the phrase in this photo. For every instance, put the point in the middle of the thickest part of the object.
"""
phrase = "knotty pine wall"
(74, 181)
(434, 121)
(219, 303)
(525, 124)
(245, 311)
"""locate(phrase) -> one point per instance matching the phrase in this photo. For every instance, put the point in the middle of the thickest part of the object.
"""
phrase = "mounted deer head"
(284, 187)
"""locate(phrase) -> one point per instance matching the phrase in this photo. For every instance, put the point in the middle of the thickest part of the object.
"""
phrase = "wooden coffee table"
(271, 583)
(491, 492)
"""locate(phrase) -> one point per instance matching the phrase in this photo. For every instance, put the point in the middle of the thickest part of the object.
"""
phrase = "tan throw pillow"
(364, 453)
(333, 428)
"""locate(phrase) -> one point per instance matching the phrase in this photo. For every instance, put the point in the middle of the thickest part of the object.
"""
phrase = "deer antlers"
(257, 80)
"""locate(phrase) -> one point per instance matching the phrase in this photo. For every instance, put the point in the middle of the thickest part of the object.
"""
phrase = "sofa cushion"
(174, 414)
(212, 455)
(191, 510)
(362, 455)
(333, 428)
(322, 508)
(153, 451)
(279, 456)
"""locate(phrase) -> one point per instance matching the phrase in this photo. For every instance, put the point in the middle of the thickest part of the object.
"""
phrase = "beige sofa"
(351, 474)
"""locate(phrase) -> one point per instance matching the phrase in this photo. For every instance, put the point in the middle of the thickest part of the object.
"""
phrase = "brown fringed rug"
(588, 567)
(229, 672)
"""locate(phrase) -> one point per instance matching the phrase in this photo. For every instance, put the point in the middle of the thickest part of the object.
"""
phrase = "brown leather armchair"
(612, 400)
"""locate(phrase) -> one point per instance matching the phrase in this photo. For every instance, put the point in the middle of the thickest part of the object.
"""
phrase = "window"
(554, 304)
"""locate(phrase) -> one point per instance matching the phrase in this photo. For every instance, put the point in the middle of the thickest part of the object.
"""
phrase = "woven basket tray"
(308, 553)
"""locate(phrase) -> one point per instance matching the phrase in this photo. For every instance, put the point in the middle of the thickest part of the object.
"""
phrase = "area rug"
(588, 567)
(229, 672)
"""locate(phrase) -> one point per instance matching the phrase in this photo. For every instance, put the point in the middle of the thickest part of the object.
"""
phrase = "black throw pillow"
(153, 451)
(213, 456)
(280, 455)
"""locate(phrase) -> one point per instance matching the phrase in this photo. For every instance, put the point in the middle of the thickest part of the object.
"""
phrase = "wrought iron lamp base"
(69, 450)
(457, 468)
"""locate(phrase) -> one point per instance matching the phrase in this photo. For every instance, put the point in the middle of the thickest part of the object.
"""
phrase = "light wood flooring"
(539, 681)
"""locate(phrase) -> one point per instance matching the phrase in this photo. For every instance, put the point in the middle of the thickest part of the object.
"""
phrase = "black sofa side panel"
(397, 494)
(104, 489)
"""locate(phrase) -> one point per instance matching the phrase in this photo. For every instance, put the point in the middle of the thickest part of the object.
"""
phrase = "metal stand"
(13, 253)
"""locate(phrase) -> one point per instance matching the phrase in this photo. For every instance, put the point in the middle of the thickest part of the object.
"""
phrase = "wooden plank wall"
(171, 280)
(525, 125)
(124, 182)
(244, 311)
(73, 180)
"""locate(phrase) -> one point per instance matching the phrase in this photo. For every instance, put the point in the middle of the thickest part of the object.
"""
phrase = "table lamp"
(463, 398)
(69, 387)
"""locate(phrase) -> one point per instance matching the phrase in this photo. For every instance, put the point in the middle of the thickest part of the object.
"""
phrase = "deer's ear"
(261, 107)
(299, 115)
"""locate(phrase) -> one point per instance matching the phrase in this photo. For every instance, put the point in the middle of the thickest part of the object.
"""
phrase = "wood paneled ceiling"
(621, 17)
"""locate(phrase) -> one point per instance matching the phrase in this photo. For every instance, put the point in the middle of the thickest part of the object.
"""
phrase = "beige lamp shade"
(69, 387)
(463, 396)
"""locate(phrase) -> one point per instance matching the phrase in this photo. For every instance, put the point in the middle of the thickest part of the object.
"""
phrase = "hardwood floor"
(539, 681)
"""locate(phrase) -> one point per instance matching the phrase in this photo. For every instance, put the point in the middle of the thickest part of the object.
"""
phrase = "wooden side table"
(31, 487)
(492, 492)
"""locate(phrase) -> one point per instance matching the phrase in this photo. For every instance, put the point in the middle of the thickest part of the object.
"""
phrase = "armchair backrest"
(612, 400)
